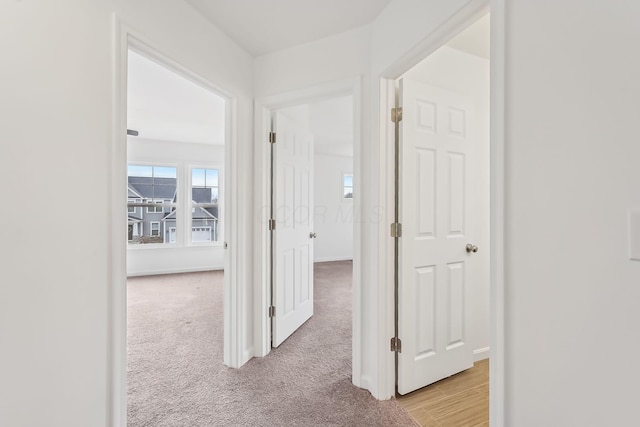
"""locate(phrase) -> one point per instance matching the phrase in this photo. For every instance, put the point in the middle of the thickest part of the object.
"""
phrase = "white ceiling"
(261, 26)
(163, 105)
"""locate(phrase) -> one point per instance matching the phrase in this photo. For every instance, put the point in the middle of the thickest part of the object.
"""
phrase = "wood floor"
(458, 401)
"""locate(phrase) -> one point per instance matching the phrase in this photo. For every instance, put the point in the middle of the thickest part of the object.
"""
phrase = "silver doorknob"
(471, 248)
(312, 235)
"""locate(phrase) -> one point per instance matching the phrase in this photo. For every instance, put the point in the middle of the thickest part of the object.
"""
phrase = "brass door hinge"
(272, 311)
(272, 137)
(396, 345)
(396, 114)
(396, 229)
(272, 224)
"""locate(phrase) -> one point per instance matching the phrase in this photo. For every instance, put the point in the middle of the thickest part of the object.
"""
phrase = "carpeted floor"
(176, 376)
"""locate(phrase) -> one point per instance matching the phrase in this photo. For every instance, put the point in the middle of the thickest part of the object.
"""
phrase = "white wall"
(331, 59)
(161, 259)
(56, 119)
(468, 75)
(572, 149)
(333, 214)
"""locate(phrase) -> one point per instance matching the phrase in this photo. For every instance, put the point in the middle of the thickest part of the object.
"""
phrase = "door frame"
(124, 38)
(458, 22)
(263, 108)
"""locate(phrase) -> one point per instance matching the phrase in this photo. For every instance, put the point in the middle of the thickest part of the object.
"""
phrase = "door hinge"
(396, 229)
(272, 224)
(396, 114)
(272, 311)
(396, 344)
(272, 137)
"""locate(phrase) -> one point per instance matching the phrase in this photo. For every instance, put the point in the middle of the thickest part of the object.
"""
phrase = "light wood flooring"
(461, 400)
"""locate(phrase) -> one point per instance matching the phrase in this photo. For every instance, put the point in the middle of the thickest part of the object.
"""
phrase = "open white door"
(435, 150)
(293, 234)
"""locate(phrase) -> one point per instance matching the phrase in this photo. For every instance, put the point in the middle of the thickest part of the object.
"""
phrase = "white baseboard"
(172, 271)
(364, 382)
(481, 354)
(330, 259)
(247, 355)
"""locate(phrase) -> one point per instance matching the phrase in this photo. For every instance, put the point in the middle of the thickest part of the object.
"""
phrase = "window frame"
(344, 186)
(151, 223)
(154, 209)
(192, 207)
(181, 206)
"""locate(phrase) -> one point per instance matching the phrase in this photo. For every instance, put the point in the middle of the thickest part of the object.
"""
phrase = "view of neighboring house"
(204, 220)
(153, 205)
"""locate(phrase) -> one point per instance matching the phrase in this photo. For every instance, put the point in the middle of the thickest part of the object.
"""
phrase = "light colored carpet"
(176, 376)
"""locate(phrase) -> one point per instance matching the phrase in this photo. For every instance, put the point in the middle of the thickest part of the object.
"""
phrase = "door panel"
(434, 212)
(293, 246)
(425, 307)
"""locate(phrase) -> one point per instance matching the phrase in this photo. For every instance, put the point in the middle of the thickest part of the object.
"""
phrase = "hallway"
(176, 376)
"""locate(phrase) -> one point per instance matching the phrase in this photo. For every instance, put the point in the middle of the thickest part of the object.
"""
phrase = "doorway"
(175, 171)
(311, 204)
(444, 208)
(453, 26)
(349, 94)
(444, 187)
(176, 162)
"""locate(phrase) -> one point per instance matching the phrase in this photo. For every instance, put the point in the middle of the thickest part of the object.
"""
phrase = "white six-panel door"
(436, 216)
(293, 246)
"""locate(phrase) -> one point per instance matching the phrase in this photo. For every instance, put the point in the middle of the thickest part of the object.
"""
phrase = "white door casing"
(436, 144)
(293, 244)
